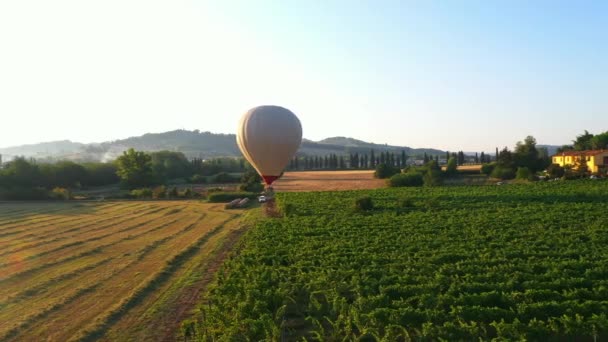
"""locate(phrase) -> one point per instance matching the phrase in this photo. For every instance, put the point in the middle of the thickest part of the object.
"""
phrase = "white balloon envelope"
(268, 137)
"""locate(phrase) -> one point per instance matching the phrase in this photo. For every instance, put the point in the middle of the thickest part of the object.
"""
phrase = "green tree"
(20, 172)
(600, 141)
(526, 154)
(452, 167)
(432, 176)
(170, 165)
(523, 173)
(135, 169)
(583, 141)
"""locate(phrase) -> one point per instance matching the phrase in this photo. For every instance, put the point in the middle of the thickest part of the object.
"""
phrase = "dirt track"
(328, 181)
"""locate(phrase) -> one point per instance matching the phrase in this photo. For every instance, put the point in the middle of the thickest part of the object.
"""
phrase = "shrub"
(252, 187)
(406, 179)
(364, 203)
(385, 171)
(159, 192)
(218, 197)
(187, 193)
(173, 193)
(523, 173)
(503, 172)
(487, 169)
(60, 194)
(141, 193)
(452, 167)
(555, 171)
(432, 178)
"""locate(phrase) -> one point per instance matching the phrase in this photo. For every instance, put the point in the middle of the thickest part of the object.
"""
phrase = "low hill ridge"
(194, 144)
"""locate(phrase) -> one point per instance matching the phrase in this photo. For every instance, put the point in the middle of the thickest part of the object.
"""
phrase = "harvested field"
(328, 181)
(107, 270)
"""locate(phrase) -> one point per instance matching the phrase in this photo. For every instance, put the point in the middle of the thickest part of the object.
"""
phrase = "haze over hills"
(194, 144)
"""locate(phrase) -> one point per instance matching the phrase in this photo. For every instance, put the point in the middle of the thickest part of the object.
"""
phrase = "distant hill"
(192, 144)
(42, 150)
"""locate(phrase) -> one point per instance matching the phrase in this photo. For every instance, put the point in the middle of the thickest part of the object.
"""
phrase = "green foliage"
(173, 193)
(487, 169)
(432, 177)
(482, 263)
(503, 172)
(220, 197)
(21, 193)
(583, 142)
(99, 174)
(600, 141)
(170, 165)
(405, 203)
(251, 182)
(141, 193)
(411, 178)
(384, 170)
(528, 156)
(135, 169)
(364, 203)
(452, 167)
(555, 171)
(523, 173)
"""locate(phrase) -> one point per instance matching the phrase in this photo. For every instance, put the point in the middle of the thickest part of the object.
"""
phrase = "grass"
(73, 272)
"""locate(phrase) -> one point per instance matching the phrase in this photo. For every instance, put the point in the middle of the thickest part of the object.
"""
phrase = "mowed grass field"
(108, 270)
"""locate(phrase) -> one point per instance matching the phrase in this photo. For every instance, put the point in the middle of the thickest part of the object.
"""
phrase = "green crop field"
(106, 271)
(507, 262)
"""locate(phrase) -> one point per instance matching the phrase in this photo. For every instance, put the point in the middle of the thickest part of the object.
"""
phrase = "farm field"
(107, 270)
(513, 262)
(328, 181)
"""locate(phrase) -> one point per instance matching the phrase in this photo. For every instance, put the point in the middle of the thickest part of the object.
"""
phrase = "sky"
(453, 75)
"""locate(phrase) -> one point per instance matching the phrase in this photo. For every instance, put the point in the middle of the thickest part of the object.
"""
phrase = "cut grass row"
(90, 235)
(64, 292)
(32, 240)
(29, 232)
(80, 286)
(126, 282)
(59, 212)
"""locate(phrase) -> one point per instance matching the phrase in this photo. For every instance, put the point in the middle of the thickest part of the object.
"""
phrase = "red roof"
(587, 153)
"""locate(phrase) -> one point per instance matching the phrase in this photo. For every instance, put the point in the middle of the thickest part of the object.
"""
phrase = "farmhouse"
(597, 160)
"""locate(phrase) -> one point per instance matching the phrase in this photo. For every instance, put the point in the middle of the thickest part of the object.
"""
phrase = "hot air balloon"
(268, 137)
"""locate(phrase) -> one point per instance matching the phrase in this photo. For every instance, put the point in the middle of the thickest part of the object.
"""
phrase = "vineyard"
(109, 271)
(508, 262)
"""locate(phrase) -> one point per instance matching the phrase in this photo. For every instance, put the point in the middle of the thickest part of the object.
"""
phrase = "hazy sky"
(457, 75)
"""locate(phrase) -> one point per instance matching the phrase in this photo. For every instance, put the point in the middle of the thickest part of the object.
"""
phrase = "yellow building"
(597, 160)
